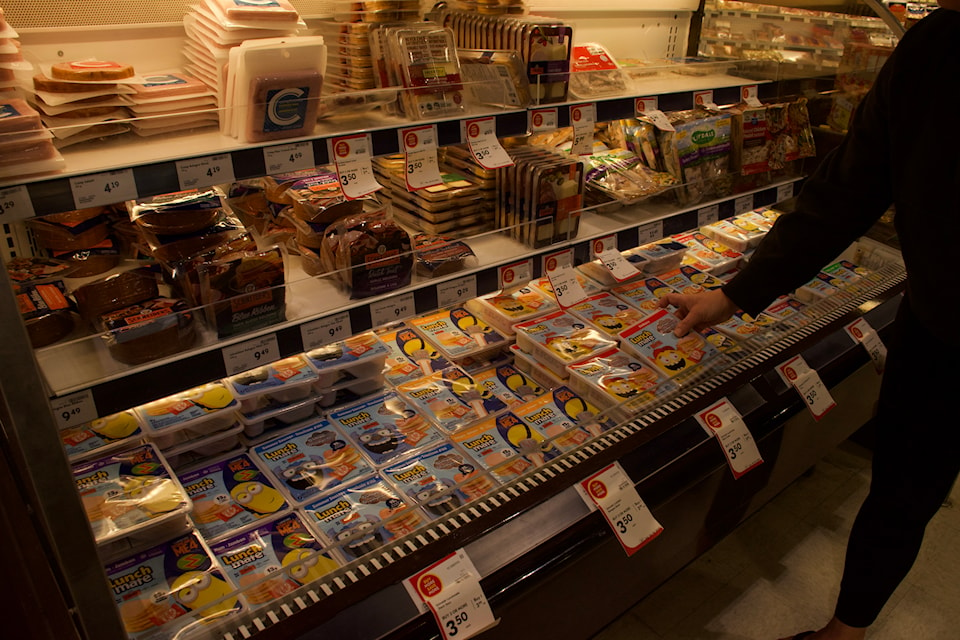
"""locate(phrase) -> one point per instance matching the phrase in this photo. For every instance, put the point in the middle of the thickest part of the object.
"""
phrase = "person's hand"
(699, 311)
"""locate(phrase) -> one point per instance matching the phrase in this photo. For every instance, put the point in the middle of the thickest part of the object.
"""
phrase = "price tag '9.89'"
(723, 421)
(326, 330)
(612, 491)
(351, 154)
(797, 373)
(481, 135)
(563, 278)
(451, 590)
(251, 354)
(103, 188)
(420, 151)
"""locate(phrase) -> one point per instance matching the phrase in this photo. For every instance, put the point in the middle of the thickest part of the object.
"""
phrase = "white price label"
(326, 330)
(392, 309)
(484, 145)
(612, 491)
(543, 119)
(704, 99)
(797, 373)
(861, 331)
(251, 354)
(649, 108)
(743, 204)
(605, 250)
(723, 421)
(456, 291)
(203, 172)
(650, 232)
(784, 192)
(284, 158)
(15, 204)
(563, 278)
(103, 188)
(750, 94)
(451, 590)
(420, 151)
(351, 154)
(583, 118)
(74, 409)
(516, 275)
(708, 215)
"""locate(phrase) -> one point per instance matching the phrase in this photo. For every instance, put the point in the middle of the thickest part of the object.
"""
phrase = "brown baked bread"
(148, 330)
(115, 292)
(51, 85)
(91, 70)
(70, 231)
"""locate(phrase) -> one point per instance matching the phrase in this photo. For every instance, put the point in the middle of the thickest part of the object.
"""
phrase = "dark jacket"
(901, 149)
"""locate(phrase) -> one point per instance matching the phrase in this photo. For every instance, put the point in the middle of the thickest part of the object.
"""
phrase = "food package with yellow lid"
(101, 436)
(188, 415)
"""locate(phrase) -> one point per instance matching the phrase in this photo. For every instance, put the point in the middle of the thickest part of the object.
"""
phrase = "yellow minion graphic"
(115, 427)
(257, 497)
(211, 397)
(195, 590)
(306, 565)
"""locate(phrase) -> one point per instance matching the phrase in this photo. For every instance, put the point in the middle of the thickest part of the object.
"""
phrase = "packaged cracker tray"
(718, 257)
(359, 356)
(740, 234)
(203, 449)
(192, 414)
(562, 420)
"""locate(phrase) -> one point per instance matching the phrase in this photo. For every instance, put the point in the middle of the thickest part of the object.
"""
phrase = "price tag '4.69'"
(251, 354)
(797, 373)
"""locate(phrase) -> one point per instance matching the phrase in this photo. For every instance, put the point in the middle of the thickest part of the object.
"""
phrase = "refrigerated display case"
(533, 540)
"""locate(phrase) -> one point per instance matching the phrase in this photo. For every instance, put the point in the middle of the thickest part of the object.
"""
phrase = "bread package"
(244, 292)
(372, 254)
(148, 330)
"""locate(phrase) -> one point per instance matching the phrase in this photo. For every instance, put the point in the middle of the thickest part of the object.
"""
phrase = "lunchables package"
(458, 333)
(561, 420)
(504, 309)
(276, 384)
(644, 294)
(411, 355)
(560, 339)
(718, 257)
(509, 384)
(274, 559)
(100, 436)
(504, 453)
(679, 359)
(608, 313)
(362, 517)
(616, 379)
(451, 398)
(358, 357)
(188, 415)
(742, 325)
(688, 280)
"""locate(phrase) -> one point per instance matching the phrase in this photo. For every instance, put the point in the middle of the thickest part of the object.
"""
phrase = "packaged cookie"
(490, 443)
(274, 385)
(311, 461)
(505, 309)
(191, 414)
(679, 359)
(130, 492)
(100, 436)
(457, 333)
(644, 294)
(148, 330)
(362, 517)
(410, 355)
(608, 313)
(559, 421)
(618, 383)
(440, 480)
(230, 496)
(275, 559)
(170, 586)
(560, 339)
(451, 398)
(384, 427)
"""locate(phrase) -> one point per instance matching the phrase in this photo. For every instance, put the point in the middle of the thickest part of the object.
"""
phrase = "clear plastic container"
(652, 340)
(101, 436)
(616, 378)
(644, 294)
(502, 445)
(280, 382)
(277, 417)
(202, 449)
(559, 339)
(504, 310)
(608, 313)
(458, 333)
(360, 356)
(185, 416)
(411, 355)
(562, 420)
(451, 398)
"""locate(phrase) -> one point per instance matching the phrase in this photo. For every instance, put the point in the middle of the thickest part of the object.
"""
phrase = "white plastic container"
(189, 415)
(559, 339)
(358, 357)
(279, 383)
(277, 418)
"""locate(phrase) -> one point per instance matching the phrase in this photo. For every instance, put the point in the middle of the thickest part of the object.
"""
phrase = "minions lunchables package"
(788, 309)
(661, 256)
(560, 339)
(501, 444)
(188, 415)
(358, 357)
(608, 313)
(274, 385)
(676, 358)
(644, 294)
(502, 310)
(440, 480)
(311, 461)
(231, 495)
(458, 333)
(361, 517)
(688, 280)
(384, 427)
(128, 492)
(723, 344)
(411, 355)
(562, 420)
(101, 436)
(823, 285)
(162, 590)
(451, 398)
(274, 559)
(509, 384)
(614, 379)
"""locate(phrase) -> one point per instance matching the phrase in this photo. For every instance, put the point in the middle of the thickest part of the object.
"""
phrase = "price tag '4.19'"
(563, 278)
(76, 408)
(351, 154)
(420, 151)
(723, 421)
(203, 172)
(481, 135)
(451, 590)
(861, 331)
(797, 373)
(283, 158)
(583, 117)
(612, 491)
(605, 250)
(251, 354)
(15, 204)
(103, 188)
(392, 309)
(326, 330)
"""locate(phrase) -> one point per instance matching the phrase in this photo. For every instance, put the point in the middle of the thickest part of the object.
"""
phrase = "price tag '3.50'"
(861, 331)
(723, 421)
(420, 153)
(351, 154)
(612, 491)
(451, 590)
(797, 373)
(484, 145)
(605, 250)
(563, 278)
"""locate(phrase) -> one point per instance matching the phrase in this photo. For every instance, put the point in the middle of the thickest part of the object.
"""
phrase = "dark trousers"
(916, 461)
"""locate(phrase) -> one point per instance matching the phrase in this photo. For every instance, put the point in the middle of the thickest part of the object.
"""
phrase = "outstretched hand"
(699, 311)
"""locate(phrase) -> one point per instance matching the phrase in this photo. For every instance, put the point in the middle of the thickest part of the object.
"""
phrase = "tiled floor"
(777, 574)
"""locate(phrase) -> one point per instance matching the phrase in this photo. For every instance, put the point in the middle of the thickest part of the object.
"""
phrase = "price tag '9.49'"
(103, 188)
(326, 330)
(612, 491)
(484, 145)
(351, 154)
(76, 408)
(451, 590)
(420, 151)
(392, 309)
(563, 278)
(251, 354)
(797, 373)
(723, 421)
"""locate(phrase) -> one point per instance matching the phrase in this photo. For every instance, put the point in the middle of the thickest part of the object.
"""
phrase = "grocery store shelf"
(853, 21)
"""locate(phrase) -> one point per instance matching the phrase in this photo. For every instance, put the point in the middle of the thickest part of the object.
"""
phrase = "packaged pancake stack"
(80, 100)
(171, 102)
(26, 146)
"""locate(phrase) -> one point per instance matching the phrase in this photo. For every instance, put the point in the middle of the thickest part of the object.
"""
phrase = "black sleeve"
(849, 191)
